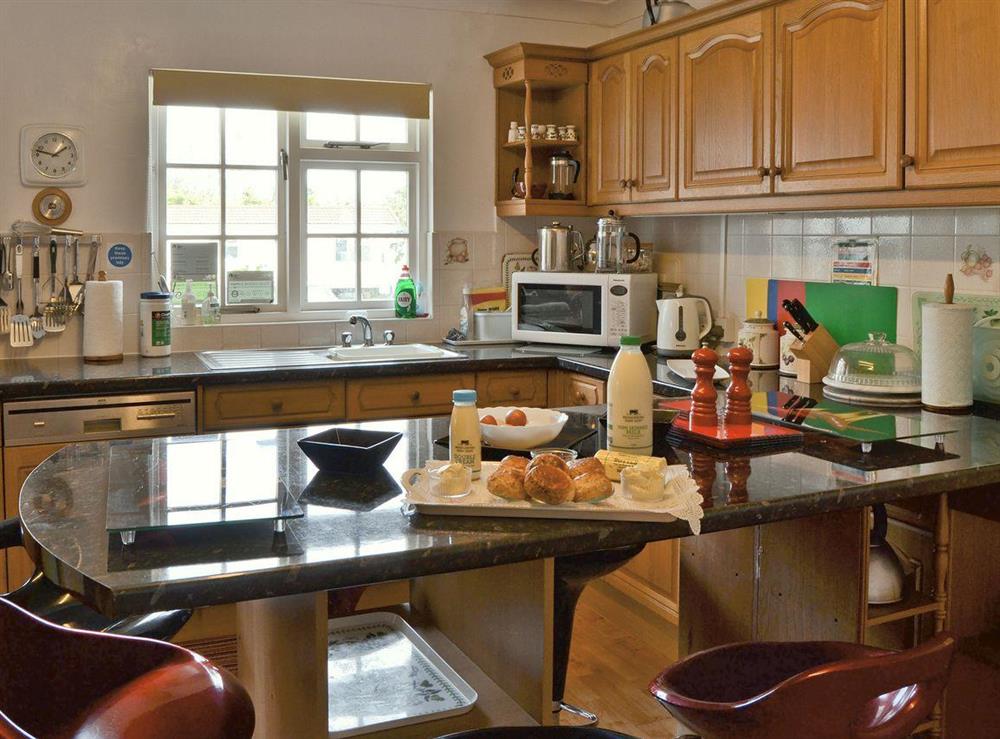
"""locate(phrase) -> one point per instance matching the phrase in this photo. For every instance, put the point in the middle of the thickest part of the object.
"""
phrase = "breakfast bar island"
(484, 591)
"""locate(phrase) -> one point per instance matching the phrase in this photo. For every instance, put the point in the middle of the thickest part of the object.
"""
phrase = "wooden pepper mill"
(738, 393)
(703, 412)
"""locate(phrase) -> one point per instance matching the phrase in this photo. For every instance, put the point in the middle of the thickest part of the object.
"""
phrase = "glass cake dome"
(875, 366)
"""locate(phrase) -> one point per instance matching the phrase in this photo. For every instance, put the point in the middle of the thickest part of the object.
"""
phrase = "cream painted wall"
(98, 79)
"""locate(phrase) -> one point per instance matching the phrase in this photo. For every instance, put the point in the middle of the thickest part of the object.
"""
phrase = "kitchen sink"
(256, 358)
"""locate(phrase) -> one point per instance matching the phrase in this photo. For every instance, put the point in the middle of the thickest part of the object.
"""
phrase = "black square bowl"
(350, 451)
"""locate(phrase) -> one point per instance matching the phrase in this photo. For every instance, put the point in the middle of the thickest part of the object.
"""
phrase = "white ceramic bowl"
(542, 427)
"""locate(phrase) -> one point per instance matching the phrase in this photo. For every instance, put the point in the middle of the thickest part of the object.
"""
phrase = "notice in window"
(250, 287)
(197, 261)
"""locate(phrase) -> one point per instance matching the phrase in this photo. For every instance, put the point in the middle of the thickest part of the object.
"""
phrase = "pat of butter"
(643, 481)
(615, 462)
(452, 479)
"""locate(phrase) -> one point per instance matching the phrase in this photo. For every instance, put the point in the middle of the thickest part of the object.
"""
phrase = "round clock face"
(54, 155)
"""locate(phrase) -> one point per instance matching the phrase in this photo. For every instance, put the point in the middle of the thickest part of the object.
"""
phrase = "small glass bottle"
(464, 437)
(211, 309)
(189, 306)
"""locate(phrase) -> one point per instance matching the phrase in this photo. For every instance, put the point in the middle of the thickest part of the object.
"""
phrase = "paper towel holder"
(102, 276)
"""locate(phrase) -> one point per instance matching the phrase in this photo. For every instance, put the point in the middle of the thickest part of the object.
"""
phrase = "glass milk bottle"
(630, 400)
(463, 433)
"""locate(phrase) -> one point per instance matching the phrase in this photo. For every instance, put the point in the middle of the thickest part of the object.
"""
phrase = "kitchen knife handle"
(36, 268)
(53, 255)
(791, 329)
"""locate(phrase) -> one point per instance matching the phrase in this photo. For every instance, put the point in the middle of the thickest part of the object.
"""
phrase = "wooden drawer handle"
(515, 391)
(762, 172)
(906, 161)
(415, 396)
(277, 406)
(622, 184)
(580, 396)
(775, 171)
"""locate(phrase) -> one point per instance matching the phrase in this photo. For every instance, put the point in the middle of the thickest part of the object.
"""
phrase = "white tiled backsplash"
(916, 250)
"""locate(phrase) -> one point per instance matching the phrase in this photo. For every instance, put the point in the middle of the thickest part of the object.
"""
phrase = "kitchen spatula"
(20, 324)
(55, 313)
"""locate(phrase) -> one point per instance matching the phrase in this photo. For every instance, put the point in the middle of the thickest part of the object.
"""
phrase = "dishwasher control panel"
(99, 417)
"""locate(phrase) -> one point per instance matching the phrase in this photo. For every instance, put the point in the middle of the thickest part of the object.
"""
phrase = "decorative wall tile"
(452, 250)
(977, 264)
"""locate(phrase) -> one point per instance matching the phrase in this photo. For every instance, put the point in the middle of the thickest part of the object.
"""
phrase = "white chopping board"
(481, 502)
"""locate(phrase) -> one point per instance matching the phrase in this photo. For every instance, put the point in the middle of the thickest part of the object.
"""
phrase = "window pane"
(251, 202)
(332, 270)
(385, 201)
(193, 201)
(251, 271)
(384, 129)
(331, 200)
(192, 135)
(381, 262)
(330, 127)
(251, 137)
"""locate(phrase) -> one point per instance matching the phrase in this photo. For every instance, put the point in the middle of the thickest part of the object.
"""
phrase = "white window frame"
(291, 304)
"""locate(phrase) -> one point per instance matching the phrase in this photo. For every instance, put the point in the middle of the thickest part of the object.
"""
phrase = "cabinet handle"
(580, 397)
(277, 405)
(775, 171)
(415, 396)
(762, 172)
(906, 161)
(515, 391)
(623, 184)
(154, 416)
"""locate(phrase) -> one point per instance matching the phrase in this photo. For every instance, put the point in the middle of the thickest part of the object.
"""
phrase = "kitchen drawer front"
(277, 404)
(512, 388)
(404, 397)
(583, 390)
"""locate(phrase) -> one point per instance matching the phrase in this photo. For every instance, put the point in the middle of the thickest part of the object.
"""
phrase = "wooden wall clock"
(51, 206)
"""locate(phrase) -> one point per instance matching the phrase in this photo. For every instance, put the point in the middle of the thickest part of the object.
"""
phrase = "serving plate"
(481, 502)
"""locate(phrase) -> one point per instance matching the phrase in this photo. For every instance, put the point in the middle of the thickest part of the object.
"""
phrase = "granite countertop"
(69, 376)
(353, 535)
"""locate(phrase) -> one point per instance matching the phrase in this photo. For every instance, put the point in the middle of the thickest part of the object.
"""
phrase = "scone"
(512, 461)
(585, 466)
(507, 483)
(548, 484)
(548, 460)
(592, 486)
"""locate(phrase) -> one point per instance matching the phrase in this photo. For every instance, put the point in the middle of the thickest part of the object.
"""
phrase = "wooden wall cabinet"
(725, 107)
(633, 109)
(838, 95)
(952, 93)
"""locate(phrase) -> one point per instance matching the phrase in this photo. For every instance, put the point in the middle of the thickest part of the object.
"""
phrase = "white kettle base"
(675, 353)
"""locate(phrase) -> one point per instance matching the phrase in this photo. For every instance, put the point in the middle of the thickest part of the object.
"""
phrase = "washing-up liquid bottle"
(189, 306)
(630, 400)
(405, 297)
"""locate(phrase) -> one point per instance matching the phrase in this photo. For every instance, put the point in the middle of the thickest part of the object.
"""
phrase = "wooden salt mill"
(703, 411)
(738, 393)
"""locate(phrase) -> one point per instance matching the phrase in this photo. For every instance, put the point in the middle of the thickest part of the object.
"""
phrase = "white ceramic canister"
(154, 324)
(760, 336)
(787, 359)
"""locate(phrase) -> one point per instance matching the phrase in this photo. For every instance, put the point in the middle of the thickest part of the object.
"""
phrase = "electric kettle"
(684, 321)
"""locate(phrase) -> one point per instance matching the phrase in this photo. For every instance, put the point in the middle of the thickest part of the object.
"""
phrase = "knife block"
(814, 355)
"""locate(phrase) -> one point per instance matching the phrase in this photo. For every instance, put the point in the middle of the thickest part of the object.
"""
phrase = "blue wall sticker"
(120, 255)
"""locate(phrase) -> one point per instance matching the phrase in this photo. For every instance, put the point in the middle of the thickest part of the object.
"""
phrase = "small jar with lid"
(154, 324)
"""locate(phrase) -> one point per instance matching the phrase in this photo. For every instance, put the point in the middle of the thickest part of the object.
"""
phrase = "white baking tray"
(481, 502)
(381, 675)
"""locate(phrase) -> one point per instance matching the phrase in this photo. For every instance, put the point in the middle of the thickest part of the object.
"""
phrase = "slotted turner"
(55, 315)
(20, 324)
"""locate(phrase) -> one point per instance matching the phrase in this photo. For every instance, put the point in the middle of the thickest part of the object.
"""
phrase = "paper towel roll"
(103, 332)
(946, 355)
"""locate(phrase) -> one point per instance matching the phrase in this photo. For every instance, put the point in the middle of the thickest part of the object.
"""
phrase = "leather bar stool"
(571, 576)
(45, 599)
(821, 690)
(58, 682)
(539, 732)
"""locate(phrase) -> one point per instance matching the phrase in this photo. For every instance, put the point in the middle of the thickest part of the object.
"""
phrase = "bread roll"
(515, 462)
(507, 483)
(585, 466)
(592, 486)
(546, 483)
(548, 460)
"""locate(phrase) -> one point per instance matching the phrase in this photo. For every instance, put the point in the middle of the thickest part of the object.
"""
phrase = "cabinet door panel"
(838, 92)
(654, 109)
(953, 92)
(609, 123)
(725, 108)
(18, 463)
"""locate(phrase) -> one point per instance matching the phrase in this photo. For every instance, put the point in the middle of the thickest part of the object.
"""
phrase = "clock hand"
(42, 151)
(56, 152)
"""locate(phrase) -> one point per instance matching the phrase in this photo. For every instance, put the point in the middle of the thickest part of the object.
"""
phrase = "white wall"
(93, 73)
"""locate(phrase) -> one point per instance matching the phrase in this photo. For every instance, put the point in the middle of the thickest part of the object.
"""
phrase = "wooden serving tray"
(481, 502)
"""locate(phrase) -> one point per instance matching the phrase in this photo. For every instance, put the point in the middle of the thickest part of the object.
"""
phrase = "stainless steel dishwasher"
(66, 420)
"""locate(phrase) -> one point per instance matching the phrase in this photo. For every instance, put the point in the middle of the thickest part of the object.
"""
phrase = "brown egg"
(516, 417)
(488, 420)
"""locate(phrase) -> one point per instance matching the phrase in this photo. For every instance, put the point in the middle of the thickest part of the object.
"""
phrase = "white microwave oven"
(582, 308)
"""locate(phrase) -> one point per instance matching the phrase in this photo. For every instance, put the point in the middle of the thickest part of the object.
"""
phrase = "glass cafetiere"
(565, 173)
(610, 251)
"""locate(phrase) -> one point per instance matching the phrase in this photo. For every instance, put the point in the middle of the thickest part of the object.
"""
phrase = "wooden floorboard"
(611, 664)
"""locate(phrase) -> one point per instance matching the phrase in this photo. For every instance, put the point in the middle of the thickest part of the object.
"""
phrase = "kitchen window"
(297, 214)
